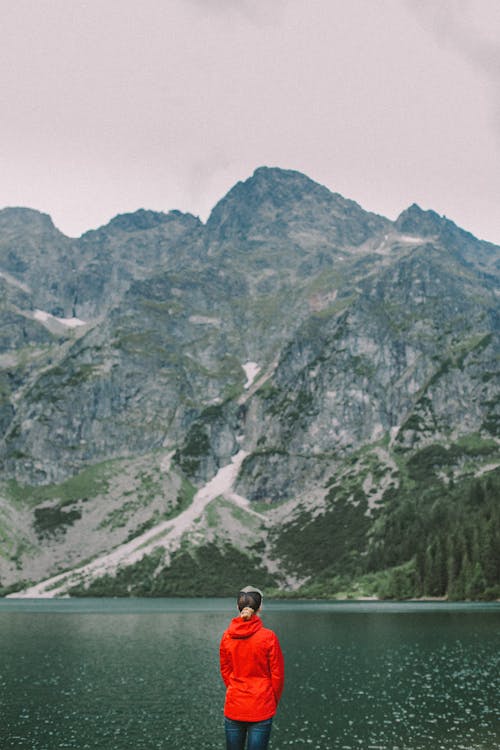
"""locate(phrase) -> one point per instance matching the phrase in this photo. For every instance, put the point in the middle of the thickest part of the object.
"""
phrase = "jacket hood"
(239, 628)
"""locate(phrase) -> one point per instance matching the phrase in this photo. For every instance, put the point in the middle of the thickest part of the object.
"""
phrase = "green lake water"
(108, 674)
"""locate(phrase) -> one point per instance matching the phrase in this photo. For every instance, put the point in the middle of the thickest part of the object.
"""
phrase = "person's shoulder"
(268, 634)
(225, 635)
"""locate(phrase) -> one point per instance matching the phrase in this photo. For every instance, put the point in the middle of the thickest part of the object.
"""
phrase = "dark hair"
(249, 599)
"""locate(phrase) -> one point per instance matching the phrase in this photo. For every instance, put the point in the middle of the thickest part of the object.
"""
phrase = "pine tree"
(435, 570)
(476, 583)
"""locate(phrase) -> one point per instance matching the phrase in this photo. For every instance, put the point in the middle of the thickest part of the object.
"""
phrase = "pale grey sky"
(113, 105)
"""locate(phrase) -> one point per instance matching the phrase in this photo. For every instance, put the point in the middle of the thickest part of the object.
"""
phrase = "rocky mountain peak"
(427, 223)
(143, 220)
(33, 250)
(415, 220)
(452, 238)
(19, 221)
(268, 194)
(283, 189)
(287, 204)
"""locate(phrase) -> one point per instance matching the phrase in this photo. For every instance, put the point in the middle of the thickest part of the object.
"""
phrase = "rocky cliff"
(297, 389)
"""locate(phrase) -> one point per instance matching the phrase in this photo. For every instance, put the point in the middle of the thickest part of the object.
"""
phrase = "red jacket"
(251, 664)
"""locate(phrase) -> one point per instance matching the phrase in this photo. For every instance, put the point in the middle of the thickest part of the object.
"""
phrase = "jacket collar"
(239, 628)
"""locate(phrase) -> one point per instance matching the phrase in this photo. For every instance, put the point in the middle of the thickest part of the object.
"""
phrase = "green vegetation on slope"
(436, 533)
(90, 482)
(448, 537)
(206, 571)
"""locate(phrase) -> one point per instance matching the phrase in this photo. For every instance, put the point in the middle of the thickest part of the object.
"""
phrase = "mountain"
(298, 391)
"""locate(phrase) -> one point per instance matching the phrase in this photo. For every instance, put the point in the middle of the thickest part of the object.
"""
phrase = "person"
(252, 668)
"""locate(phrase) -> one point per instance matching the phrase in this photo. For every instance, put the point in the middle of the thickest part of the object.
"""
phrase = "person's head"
(249, 601)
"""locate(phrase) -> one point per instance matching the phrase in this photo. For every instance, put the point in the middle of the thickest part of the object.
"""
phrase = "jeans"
(257, 732)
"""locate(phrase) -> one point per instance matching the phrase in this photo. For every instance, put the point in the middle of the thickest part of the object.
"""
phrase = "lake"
(128, 674)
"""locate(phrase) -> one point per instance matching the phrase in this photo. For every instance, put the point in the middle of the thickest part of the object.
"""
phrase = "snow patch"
(256, 382)
(71, 322)
(388, 243)
(45, 317)
(42, 316)
(251, 369)
(410, 239)
(202, 320)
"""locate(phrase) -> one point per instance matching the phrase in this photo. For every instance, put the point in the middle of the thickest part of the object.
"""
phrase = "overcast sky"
(113, 105)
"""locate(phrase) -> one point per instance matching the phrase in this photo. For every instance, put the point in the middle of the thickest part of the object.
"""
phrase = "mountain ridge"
(374, 349)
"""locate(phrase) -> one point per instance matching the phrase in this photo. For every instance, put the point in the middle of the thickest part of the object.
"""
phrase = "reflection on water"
(119, 674)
